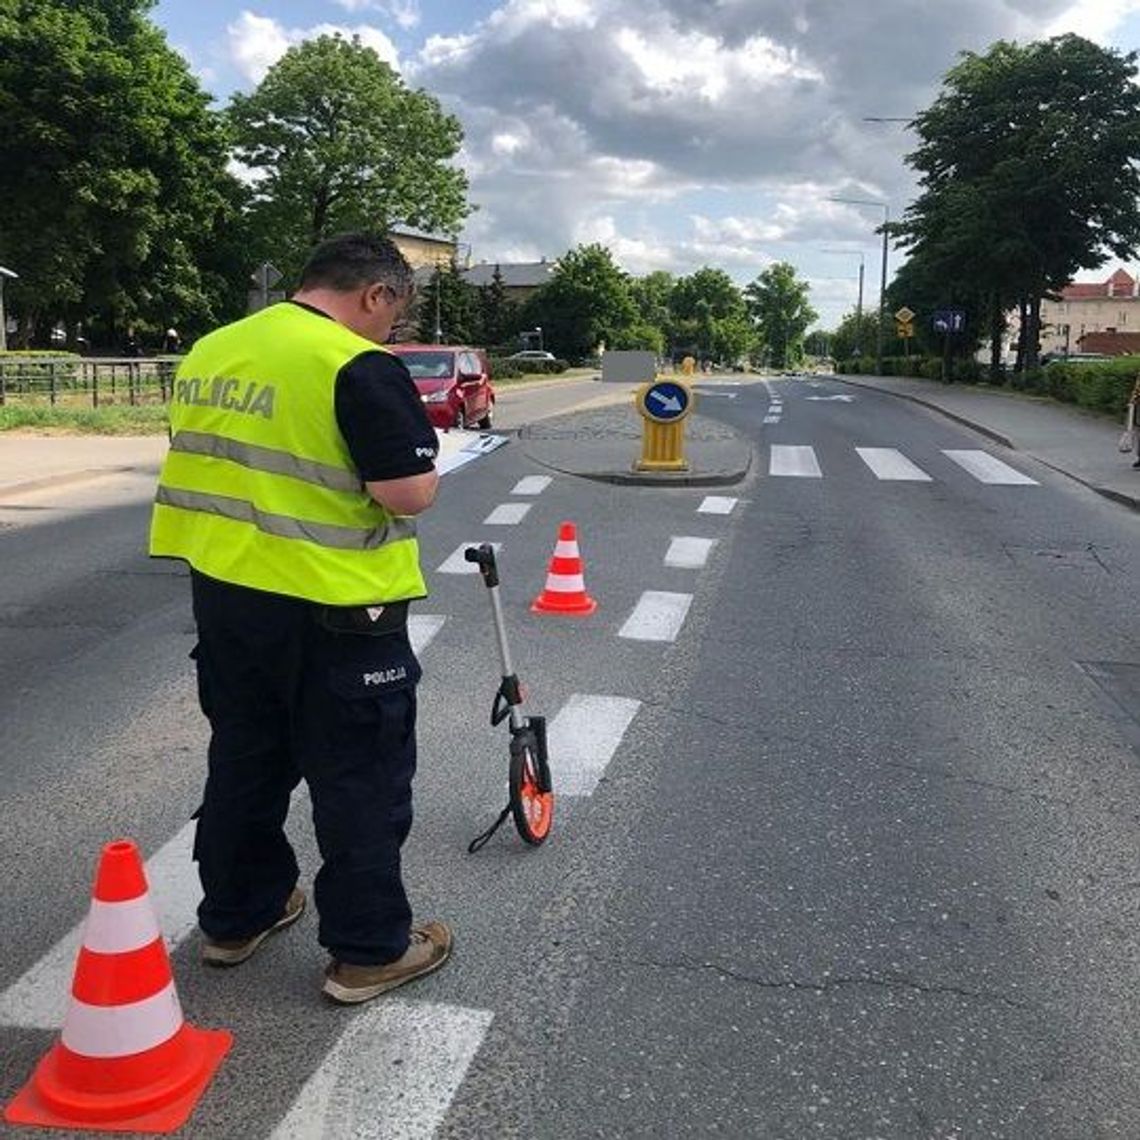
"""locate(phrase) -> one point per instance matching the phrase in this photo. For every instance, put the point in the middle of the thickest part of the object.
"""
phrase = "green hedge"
(503, 368)
(1103, 386)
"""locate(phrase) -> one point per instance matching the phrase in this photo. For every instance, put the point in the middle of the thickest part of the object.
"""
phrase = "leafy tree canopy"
(778, 302)
(336, 141)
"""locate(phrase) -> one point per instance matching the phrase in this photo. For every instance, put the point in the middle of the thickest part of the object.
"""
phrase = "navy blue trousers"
(288, 699)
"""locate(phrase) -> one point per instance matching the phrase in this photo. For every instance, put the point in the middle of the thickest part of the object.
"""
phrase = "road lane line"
(658, 616)
(531, 485)
(889, 464)
(689, 553)
(987, 468)
(455, 563)
(771, 419)
(716, 505)
(507, 514)
(391, 1074)
(583, 738)
(796, 462)
(422, 628)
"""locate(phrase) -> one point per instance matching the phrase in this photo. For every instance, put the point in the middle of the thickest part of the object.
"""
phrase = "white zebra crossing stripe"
(658, 616)
(796, 462)
(391, 1074)
(988, 469)
(889, 464)
(771, 419)
(689, 553)
(531, 485)
(583, 738)
(716, 505)
(455, 563)
(507, 514)
(422, 628)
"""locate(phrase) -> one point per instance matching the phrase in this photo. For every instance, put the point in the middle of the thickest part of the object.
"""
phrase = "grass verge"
(145, 419)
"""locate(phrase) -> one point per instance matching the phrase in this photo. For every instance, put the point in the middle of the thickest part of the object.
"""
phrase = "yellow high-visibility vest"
(258, 487)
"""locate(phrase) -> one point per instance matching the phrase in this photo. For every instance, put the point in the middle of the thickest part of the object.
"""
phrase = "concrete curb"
(63, 478)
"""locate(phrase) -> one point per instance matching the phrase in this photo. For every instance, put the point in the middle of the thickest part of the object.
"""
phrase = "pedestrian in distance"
(300, 454)
(1134, 417)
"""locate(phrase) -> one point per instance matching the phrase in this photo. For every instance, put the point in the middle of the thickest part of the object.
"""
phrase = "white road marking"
(583, 738)
(988, 469)
(689, 553)
(658, 616)
(38, 999)
(531, 485)
(455, 563)
(390, 1076)
(422, 628)
(771, 419)
(507, 514)
(716, 505)
(887, 463)
(796, 462)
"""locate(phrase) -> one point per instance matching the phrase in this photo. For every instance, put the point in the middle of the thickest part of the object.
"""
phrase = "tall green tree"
(855, 336)
(779, 303)
(586, 303)
(336, 141)
(447, 310)
(112, 169)
(497, 313)
(1030, 168)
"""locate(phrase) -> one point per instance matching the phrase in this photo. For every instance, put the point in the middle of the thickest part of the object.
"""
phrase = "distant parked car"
(532, 354)
(454, 382)
(1074, 358)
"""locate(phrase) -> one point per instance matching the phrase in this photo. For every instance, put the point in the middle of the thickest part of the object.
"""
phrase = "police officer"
(300, 455)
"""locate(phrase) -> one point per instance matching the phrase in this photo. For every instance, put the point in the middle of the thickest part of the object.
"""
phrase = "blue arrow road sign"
(949, 320)
(666, 400)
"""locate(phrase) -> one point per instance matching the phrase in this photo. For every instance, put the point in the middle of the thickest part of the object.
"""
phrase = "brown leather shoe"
(233, 953)
(428, 949)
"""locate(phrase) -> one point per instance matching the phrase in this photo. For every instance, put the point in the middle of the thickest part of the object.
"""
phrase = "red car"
(454, 382)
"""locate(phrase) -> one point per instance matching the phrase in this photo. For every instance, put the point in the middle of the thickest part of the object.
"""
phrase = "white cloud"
(404, 13)
(256, 43)
(1093, 19)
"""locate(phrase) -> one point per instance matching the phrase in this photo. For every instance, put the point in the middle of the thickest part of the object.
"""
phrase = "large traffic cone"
(565, 589)
(125, 1061)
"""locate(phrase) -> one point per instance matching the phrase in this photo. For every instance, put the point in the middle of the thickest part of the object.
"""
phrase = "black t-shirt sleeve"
(382, 419)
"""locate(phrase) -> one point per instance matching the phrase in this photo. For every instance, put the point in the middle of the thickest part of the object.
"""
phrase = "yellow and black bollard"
(663, 405)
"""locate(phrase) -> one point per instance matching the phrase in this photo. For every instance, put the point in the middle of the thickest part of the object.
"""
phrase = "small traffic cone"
(125, 1061)
(565, 589)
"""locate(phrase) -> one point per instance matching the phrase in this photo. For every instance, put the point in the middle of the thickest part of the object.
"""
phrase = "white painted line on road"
(583, 738)
(531, 485)
(771, 419)
(689, 553)
(422, 628)
(887, 463)
(507, 514)
(38, 999)
(391, 1075)
(716, 505)
(988, 469)
(796, 462)
(455, 563)
(658, 616)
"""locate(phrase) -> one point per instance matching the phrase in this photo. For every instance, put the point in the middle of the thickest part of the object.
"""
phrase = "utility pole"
(883, 274)
(9, 275)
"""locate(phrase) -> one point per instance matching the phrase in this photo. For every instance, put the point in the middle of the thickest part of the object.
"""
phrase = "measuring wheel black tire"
(532, 797)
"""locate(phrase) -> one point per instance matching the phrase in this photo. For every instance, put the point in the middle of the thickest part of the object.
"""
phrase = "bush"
(505, 369)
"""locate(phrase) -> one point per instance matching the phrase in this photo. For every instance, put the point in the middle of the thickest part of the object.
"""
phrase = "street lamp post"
(883, 275)
(538, 329)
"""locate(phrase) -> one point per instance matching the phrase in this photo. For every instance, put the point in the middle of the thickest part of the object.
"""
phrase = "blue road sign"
(666, 400)
(949, 320)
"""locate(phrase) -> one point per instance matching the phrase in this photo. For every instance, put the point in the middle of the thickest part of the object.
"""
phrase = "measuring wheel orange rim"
(532, 808)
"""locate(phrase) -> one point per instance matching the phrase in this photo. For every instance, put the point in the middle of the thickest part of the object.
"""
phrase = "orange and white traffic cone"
(126, 1061)
(565, 589)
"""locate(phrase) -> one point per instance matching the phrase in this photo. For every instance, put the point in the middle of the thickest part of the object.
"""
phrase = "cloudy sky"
(679, 133)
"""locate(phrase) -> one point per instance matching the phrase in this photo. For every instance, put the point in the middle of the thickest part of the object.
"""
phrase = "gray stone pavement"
(602, 441)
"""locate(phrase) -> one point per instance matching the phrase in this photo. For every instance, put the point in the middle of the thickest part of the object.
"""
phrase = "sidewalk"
(1071, 440)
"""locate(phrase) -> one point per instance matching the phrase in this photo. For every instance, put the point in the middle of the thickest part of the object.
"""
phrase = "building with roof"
(1085, 308)
(521, 279)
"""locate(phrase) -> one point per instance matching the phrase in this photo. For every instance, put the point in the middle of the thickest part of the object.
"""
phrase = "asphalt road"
(854, 855)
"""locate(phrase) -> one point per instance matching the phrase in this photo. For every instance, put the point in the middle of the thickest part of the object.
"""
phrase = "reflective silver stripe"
(282, 526)
(266, 459)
